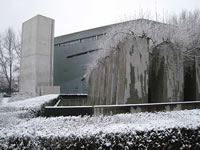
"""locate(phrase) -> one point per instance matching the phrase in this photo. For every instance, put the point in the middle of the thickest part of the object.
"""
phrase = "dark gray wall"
(72, 53)
(167, 81)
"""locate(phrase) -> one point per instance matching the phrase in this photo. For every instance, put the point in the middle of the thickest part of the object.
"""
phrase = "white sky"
(76, 15)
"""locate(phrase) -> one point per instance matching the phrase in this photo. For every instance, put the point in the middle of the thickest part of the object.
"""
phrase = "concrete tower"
(36, 73)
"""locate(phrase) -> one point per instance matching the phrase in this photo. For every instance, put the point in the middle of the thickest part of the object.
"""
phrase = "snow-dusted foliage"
(32, 103)
(86, 126)
(142, 130)
(182, 30)
(29, 107)
(17, 96)
(170, 139)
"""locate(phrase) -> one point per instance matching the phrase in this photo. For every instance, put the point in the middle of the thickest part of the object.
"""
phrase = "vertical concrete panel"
(122, 78)
(107, 89)
(189, 79)
(167, 74)
(114, 77)
(121, 73)
(197, 69)
(99, 84)
(137, 70)
(102, 84)
(96, 88)
(91, 89)
(29, 46)
(110, 81)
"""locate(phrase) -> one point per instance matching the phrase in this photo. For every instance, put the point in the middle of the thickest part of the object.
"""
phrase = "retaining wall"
(122, 78)
(166, 81)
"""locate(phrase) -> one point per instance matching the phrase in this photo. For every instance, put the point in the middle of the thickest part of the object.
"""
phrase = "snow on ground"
(12, 123)
(35, 102)
(4, 101)
(13, 113)
(87, 126)
(20, 96)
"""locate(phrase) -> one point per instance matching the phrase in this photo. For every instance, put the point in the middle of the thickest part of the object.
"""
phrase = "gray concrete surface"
(117, 109)
(167, 81)
(122, 78)
(36, 69)
(192, 78)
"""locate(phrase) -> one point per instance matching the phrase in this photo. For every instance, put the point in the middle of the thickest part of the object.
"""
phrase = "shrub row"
(175, 138)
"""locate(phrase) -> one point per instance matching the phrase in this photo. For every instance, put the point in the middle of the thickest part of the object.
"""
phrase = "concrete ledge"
(68, 111)
(117, 109)
(150, 107)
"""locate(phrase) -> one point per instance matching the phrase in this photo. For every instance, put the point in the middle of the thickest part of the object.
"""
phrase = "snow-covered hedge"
(175, 138)
(35, 102)
(31, 107)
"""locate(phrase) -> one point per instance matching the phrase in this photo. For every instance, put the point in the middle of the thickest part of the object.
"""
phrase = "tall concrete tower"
(36, 73)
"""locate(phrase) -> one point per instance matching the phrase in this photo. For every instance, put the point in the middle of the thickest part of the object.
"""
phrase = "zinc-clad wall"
(122, 78)
(69, 72)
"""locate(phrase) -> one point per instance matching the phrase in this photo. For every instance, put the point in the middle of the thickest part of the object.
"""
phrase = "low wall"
(117, 109)
(152, 107)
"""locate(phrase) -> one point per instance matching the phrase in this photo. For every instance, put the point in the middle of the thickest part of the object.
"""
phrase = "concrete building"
(36, 72)
(72, 53)
(63, 65)
(58, 65)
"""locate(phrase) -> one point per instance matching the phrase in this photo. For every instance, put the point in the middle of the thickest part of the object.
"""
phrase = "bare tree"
(9, 58)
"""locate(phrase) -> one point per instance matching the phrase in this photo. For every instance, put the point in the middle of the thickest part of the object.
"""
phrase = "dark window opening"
(82, 53)
(86, 39)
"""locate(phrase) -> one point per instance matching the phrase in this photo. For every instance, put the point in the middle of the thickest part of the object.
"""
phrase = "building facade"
(72, 53)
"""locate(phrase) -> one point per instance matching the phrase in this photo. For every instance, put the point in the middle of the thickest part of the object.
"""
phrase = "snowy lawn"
(31, 103)
(15, 112)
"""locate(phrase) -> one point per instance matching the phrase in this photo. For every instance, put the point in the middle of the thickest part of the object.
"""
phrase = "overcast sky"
(76, 15)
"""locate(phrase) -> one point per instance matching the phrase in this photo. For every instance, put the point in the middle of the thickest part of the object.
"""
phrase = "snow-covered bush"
(30, 107)
(174, 138)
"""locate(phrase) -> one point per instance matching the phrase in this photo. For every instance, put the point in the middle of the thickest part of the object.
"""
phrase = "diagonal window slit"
(82, 53)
